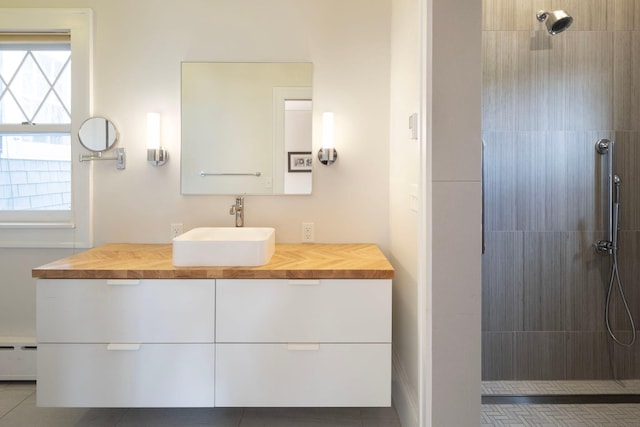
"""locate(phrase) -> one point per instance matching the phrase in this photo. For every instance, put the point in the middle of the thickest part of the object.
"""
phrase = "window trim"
(74, 231)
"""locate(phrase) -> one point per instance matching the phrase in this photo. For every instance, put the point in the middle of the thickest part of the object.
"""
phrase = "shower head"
(556, 21)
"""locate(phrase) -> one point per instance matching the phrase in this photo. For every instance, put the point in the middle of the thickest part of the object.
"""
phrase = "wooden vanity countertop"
(154, 261)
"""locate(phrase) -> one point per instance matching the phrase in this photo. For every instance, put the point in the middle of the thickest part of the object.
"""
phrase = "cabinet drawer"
(94, 311)
(93, 375)
(303, 375)
(303, 311)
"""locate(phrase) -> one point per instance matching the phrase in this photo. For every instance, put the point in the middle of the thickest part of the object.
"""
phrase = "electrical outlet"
(307, 232)
(176, 229)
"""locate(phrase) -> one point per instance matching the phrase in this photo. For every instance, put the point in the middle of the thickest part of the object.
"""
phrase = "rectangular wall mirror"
(246, 128)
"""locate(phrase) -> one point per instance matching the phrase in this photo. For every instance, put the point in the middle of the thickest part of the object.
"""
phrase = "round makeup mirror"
(97, 134)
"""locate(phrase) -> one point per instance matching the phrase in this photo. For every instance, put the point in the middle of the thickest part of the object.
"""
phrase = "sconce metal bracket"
(157, 156)
(327, 156)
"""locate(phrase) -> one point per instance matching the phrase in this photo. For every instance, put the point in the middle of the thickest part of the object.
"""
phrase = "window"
(35, 122)
(44, 97)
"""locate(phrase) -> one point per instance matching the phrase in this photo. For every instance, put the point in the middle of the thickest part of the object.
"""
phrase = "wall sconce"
(156, 155)
(327, 154)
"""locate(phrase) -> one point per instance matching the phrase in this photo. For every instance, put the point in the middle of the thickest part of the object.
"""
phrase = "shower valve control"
(603, 247)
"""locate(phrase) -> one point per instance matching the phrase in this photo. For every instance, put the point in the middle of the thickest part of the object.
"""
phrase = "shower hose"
(615, 279)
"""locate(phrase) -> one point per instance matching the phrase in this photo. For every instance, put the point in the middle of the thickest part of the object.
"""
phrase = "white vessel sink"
(224, 246)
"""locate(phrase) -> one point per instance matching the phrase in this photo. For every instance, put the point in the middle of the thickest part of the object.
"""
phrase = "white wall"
(404, 154)
(137, 53)
(454, 288)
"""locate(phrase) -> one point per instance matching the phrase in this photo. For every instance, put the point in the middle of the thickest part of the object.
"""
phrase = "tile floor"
(561, 387)
(621, 415)
(18, 409)
(602, 415)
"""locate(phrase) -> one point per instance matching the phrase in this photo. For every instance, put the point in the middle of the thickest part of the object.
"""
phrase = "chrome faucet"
(238, 210)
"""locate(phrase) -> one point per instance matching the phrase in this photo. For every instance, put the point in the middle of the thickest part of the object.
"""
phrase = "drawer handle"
(303, 347)
(304, 282)
(123, 347)
(123, 282)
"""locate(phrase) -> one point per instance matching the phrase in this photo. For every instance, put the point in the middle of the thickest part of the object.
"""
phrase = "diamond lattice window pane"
(37, 87)
(63, 89)
(31, 85)
(10, 111)
(9, 62)
(52, 62)
(51, 111)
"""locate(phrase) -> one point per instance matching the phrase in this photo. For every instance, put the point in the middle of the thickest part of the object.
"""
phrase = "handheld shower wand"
(610, 245)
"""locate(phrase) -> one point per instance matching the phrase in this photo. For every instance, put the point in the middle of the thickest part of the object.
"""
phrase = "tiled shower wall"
(546, 101)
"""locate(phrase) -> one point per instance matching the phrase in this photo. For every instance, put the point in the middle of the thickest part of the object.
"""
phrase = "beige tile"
(546, 280)
(541, 181)
(512, 14)
(499, 80)
(587, 274)
(539, 355)
(535, 83)
(497, 356)
(585, 180)
(588, 81)
(626, 80)
(522, 82)
(626, 364)
(623, 15)
(629, 273)
(588, 356)
(502, 282)
(627, 155)
(588, 15)
(500, 190)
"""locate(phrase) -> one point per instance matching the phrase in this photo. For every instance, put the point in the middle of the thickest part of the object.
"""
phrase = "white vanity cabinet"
(323, 342)
(125, 343)
(215, 336)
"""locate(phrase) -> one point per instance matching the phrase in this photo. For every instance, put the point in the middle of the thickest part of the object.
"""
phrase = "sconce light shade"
(327, 154)
(156, 155)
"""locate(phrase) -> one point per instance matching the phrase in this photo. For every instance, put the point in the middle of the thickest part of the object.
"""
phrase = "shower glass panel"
(546, 101)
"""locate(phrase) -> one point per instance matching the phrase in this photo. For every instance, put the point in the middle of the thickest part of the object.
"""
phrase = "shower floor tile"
(560, 387)
(619, 415)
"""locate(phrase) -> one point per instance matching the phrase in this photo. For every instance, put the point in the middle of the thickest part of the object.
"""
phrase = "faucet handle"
(232, 211)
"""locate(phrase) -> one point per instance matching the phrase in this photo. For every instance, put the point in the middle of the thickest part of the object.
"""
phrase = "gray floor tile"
(371, 422)
(18, 409)
(299, 422)
(26, 414)
(181, 417)
(10, 398)
(301, 417)
(380, 413)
